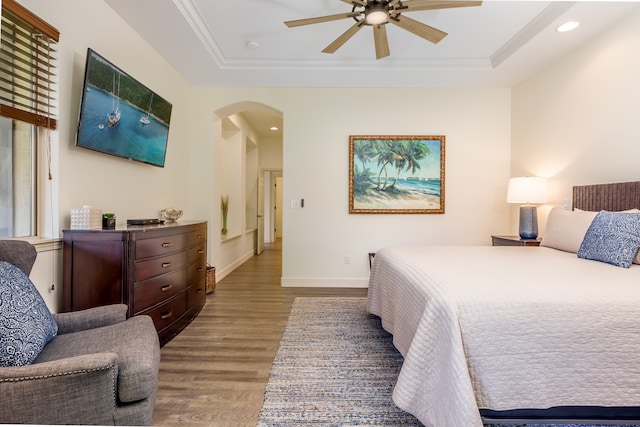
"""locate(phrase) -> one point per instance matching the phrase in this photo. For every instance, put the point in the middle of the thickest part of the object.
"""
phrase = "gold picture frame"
(396, 174)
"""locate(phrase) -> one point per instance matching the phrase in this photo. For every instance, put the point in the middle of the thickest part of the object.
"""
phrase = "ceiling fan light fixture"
(376, 14)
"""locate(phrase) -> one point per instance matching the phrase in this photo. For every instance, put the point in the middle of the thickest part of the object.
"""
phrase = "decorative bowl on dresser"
(158, 270)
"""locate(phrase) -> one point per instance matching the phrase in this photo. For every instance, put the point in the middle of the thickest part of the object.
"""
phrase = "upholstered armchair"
(99, 368)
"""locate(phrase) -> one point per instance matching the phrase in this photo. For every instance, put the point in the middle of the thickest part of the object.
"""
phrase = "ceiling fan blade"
(344, 37)
(355, 2)
(319, 19)
(418, 28)
(381, 41)
(414, 5)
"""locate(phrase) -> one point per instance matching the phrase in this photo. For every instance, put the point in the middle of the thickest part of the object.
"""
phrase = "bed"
(495, 333)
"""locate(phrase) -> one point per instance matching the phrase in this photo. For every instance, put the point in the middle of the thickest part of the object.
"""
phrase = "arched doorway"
(251, 152)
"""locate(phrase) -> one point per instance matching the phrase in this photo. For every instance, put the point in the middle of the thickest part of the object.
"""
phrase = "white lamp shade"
(527, 189)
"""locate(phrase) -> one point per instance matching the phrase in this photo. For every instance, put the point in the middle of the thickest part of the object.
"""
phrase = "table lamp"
(527, 190)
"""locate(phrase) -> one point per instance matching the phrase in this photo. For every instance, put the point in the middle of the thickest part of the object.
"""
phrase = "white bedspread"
(507, 328)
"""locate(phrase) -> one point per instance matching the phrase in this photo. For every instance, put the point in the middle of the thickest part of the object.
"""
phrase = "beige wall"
(574, 122)
(317, 125)
(577, 121)
(83, 177)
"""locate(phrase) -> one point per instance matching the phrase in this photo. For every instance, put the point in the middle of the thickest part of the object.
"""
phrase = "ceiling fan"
(377, 13)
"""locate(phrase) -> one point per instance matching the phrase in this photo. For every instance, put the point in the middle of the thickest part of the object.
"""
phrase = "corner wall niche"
(239, 178)
(231, 179)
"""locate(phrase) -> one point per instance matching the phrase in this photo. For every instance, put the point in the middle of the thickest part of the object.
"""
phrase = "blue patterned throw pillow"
(26, 324)
(612, 237)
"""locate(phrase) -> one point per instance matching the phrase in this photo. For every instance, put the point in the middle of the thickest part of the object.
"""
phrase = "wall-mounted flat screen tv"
(121, 116)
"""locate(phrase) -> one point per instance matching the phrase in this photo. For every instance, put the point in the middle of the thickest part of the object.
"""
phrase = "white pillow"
(566, 229)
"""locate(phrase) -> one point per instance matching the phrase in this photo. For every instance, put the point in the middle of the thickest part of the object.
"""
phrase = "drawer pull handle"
(200, 251)
(200, 269)
(199, 290)
(166, 288)
(167, 244)
(166, 315)
(166, 264)
(200, 236)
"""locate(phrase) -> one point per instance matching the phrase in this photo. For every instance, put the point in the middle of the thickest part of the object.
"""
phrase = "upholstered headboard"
(617, 196)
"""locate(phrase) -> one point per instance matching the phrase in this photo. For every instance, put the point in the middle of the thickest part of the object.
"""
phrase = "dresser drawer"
(197, 254)
(196, 273)
(167, 313)
(198, 236)
(156, 266)
(157, 246)
(196, 295)
(147, 294)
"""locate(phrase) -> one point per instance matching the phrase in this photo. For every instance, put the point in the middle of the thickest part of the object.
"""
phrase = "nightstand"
(514, 241)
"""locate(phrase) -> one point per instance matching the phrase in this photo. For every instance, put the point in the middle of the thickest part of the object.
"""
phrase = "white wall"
(317, 125)
(317, 122)
(46, 274)
(131, 190)
(237, 151)
(577, 121)
(574, 122)
(271, 153)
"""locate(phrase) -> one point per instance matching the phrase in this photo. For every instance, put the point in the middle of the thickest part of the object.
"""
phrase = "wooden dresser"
(158, 270)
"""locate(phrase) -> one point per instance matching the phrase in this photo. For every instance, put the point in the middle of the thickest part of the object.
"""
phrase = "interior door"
(260, 236)
(277, 207)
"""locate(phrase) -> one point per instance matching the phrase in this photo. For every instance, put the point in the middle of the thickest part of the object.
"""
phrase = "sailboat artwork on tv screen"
(113, 118)
(121, 116)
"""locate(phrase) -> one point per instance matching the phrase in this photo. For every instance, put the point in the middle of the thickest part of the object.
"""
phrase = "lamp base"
(528, 222)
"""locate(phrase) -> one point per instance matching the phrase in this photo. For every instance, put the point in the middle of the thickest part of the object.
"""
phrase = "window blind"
(27, 67)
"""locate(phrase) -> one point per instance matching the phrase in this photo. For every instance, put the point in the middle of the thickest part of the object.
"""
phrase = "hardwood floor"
(214, 372)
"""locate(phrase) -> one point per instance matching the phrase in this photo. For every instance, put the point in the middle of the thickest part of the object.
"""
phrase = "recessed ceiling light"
(567, 26)
(274, 128)
(252, 45)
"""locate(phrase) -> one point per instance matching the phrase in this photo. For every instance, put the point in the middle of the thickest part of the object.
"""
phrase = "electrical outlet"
(295, 204)
(347, 259)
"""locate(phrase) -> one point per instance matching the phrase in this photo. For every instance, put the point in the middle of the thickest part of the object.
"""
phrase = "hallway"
(215, 371)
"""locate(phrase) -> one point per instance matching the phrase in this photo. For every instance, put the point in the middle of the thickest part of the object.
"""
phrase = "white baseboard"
(324, 282)
(222, 273)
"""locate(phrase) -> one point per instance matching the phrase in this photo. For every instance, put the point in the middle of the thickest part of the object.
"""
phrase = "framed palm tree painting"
(396, 174)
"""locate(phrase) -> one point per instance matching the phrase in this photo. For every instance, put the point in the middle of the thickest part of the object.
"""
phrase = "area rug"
(336, 366)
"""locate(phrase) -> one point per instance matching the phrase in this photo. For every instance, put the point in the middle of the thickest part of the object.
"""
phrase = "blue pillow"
(26, 324)
(612, 237)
